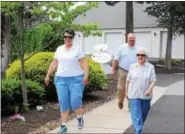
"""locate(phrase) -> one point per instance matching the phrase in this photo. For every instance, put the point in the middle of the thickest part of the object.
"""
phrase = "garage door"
(113, 40)
(89, 44)
(177, 46)
(143, 39)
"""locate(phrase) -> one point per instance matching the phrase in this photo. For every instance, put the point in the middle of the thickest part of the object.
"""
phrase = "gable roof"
(114, 17)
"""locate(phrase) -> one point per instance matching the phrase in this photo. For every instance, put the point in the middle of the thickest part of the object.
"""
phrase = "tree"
(5, 42)
(29, 15)
(129, 16)
(170, 15)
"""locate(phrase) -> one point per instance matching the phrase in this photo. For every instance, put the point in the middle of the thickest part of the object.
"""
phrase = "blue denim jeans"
(139, 110)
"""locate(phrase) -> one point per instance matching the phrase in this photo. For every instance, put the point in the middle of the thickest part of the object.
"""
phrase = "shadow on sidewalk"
(164, 80)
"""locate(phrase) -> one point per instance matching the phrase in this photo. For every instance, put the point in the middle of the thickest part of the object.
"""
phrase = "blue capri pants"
(69, 92)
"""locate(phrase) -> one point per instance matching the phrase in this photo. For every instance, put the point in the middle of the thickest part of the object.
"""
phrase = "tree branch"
(38, 50)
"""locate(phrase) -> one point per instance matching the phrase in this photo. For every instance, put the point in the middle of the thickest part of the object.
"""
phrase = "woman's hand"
(52, 67)
(85, 80)
(148, 92)
(126, 96)
(47, 79)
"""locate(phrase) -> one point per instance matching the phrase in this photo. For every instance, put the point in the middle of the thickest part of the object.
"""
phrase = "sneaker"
(63, 129)
(80, 122)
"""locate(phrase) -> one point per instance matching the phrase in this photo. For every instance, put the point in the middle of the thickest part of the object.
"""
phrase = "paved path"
(109, 119)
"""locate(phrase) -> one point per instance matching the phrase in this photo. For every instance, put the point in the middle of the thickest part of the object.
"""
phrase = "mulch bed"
(49, 118)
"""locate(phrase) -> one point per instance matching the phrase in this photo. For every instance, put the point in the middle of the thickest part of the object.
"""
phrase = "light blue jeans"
(139, 110)
(70, 92)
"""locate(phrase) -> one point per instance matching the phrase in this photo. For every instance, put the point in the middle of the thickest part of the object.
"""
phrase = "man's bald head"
(130, 35)
(131, 39)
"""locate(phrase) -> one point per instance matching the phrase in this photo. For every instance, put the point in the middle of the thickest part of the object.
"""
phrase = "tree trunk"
(6, 46)
(20, 29)
(129, 18)
(169, 47)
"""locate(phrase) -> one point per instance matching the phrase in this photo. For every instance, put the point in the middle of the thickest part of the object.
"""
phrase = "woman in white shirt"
(140, 82)
(70, 78)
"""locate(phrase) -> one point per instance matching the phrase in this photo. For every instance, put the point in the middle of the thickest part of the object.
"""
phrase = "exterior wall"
(177, 46)
(151, 38)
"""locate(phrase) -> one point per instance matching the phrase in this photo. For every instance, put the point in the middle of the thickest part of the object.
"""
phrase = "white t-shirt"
(68, 61)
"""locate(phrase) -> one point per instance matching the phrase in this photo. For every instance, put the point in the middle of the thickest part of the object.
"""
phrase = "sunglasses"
(142, 55)
(69, 37)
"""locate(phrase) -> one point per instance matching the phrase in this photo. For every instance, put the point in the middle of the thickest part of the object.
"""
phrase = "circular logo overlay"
(101, 57)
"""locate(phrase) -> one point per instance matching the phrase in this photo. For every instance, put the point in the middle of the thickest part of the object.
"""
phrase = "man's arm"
(126, 89)
(115, 61)
(114, 65)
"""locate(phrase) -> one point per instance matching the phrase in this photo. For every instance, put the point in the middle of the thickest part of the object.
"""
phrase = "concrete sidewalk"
(108, 118)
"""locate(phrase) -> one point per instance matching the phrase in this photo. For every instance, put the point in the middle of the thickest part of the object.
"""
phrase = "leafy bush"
(176, 62)
(97, 78)
(36, 68)
(11, 95)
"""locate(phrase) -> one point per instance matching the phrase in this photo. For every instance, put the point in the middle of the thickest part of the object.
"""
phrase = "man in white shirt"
(124, 57)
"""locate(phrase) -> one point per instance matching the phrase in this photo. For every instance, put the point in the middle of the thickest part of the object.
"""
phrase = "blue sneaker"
(63, 129)
(80, 122)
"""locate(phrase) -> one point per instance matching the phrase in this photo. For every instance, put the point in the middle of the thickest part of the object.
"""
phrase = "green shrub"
(176, 62)
(11, 95)
(36, 68)
(97, 77)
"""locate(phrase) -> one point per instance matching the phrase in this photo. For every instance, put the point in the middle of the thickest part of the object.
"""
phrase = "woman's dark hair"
(69, 31)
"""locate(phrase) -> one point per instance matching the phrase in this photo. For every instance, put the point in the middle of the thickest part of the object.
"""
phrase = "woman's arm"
(52, 67)
(150, 89)
(85, 67)
(152, 82)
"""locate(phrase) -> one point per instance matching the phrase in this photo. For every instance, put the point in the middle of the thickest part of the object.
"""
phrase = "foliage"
(111, 3)
(36, 68)
(45, 22)
(9, 7)
(34, 37)
(97, 78)
(174, 62)
(170, 15)
(165, 11)
(27, 15)
(11, 95)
